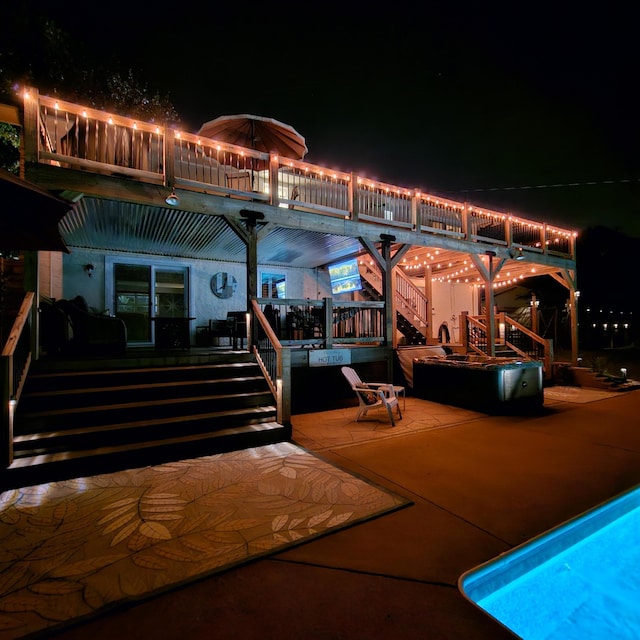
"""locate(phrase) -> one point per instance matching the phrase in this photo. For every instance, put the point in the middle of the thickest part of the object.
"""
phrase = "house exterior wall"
(448, 300)
(50, 274)
(203, 304)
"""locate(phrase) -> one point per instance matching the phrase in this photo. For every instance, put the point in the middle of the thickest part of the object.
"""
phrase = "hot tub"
(483, 383)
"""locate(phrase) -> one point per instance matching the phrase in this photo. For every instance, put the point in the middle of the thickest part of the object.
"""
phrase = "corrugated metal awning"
(109, 225)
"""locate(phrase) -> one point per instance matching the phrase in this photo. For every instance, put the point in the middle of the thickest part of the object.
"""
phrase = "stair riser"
(69, 423)
(105, 415)
(97, 397)
(89, 380)
(75, 468)
(153, 433)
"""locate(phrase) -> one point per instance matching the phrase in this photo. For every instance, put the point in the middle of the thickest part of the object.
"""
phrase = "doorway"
(145, 291)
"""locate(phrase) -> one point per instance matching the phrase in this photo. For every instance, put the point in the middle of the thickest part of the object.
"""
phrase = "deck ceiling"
(110, 225)
(454, 266)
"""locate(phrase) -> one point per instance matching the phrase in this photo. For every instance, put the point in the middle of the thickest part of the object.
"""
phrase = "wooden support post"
(573, 302)
(490, 312)
(284, 391)
(328, 322)
(464, 330)
(388, 291)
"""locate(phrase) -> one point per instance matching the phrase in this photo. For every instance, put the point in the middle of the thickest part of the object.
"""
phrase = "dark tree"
(35, 51)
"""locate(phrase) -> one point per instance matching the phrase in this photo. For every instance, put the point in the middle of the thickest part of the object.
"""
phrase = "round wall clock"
(223, 284)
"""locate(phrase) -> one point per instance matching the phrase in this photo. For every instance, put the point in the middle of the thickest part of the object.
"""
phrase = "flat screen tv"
(345, 276)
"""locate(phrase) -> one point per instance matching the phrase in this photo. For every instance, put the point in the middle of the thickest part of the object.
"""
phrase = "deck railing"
(70, 135)
(15, 359)
(280, 324)
(323, 323)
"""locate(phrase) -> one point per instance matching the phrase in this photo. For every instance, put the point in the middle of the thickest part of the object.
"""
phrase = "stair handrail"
(539, 348)
(475, 335)
(274, 361)
(409, 301)
(409, 297)
(15, 360)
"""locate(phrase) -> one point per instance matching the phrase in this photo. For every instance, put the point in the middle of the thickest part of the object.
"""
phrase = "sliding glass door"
(144, 291)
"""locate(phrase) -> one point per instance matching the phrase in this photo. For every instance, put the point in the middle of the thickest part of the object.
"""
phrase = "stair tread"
(151, 385)
(140, 403)
(30, 461)
(31, 437)
(119, 394)
(143, 369)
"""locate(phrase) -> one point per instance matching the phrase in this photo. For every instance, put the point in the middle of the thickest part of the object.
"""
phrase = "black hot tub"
(482, 383)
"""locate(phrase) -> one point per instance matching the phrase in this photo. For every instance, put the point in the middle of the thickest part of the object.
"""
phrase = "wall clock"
(223, 284)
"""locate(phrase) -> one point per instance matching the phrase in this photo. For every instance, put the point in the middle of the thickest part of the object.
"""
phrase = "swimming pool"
(579, 580)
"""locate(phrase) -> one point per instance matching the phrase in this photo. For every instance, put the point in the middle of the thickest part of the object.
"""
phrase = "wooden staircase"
(122, 414)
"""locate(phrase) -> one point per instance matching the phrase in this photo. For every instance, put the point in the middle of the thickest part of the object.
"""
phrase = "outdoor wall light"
(516, 254)
(172, 199)
(88, 268)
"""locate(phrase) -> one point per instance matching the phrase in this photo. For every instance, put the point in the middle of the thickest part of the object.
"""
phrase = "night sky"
(530, 110)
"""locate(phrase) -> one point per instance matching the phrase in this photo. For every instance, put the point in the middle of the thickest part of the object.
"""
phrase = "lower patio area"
(478, 484)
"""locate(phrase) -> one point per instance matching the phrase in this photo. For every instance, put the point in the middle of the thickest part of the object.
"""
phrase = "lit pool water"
(579, 581)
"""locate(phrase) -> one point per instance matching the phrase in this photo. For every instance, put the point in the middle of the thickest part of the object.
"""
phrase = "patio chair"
(372, 395)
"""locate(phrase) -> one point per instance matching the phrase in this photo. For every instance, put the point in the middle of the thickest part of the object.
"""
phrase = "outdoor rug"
(73, 548)
(579, 395)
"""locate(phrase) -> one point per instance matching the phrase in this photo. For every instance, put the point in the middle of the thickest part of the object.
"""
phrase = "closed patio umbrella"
(257, 132)
(29, 216)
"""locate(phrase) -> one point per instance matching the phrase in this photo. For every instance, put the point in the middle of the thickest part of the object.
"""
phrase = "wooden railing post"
(353, 197)
(464, 330)
(327, 305)
(284, 392)
(169, 143)
(6, 410)
(465, 221)
(415, 202)
(30, 126)
(274, 199)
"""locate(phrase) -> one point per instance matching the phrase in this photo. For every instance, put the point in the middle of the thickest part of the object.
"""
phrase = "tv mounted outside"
(345, 276)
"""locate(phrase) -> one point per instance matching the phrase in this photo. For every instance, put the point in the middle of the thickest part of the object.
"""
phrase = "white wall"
(203, 305)
(448, 300)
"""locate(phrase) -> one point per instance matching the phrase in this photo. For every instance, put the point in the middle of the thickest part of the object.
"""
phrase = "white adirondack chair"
(373, 395)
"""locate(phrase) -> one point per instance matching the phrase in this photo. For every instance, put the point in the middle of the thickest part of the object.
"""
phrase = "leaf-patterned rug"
(70, 549)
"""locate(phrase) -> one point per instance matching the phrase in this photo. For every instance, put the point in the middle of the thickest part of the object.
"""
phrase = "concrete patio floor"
(479, 485)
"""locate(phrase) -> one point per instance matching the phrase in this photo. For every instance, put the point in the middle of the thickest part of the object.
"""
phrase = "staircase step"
(135, 411)
(177, 389)
(47, 381)
(38, 468)
(158, 429)
(128, 414)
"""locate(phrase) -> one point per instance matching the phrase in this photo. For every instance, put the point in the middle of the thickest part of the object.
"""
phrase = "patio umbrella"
(256, 132)
(29, 216)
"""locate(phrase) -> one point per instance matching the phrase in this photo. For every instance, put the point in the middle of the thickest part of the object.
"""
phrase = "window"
(273, 285)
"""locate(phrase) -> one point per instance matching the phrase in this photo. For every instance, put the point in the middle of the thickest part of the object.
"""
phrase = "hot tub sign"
(329, 357)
